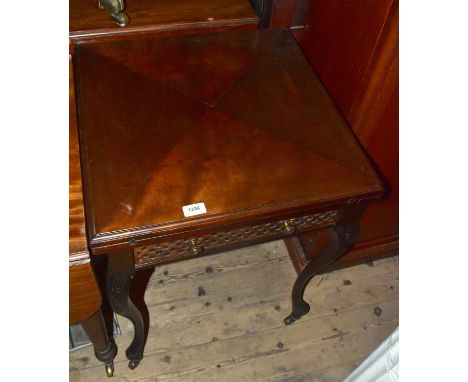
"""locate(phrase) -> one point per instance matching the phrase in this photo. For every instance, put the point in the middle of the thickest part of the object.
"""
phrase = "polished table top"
(237, 120)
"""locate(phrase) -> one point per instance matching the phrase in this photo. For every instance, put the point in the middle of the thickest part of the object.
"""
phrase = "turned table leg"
(104, 349)
(120, 274)
(339, 240)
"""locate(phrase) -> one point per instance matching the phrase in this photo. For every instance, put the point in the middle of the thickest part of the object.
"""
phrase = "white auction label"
(194, 209)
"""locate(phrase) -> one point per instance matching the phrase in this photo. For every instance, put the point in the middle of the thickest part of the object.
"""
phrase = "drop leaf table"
(84, 295)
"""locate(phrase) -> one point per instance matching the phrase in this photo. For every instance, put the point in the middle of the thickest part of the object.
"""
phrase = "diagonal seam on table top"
(124, 70)
(145, 78)
(195, 94)
(133, 189)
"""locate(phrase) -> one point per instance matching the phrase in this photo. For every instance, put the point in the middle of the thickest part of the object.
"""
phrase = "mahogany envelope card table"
(193, 144)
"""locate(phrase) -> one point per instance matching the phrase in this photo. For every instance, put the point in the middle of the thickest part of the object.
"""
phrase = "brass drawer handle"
(163, 252)
(288, 228)
(195, 249)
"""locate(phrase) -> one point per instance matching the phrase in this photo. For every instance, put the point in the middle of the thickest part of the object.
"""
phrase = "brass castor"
(110, 369)
(133, 364)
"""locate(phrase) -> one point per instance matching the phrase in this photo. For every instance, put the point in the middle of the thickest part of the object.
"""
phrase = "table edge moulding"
(331, 217)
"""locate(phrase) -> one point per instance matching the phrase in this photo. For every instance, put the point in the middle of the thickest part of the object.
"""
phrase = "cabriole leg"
(340, 239)
(120, 274)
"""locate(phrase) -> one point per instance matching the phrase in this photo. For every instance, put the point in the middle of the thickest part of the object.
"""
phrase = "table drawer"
(169, 251)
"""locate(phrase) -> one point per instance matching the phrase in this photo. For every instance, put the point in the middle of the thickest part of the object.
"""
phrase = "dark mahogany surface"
(77, 231)
(237, 120)
(84, 298)
(86, 19)
(353, 47)
(340, 39)
(84, 295)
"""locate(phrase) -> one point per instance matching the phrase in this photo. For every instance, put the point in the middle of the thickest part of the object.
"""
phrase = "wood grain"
(353, 46)
(227, 310)
(382, 219)
(87, 20)
(84, 295)
(380, 82)
(340, 40)
(205, 122)
(77, 231)
(375, 119)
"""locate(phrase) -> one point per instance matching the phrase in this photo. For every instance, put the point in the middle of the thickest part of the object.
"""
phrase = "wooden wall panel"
(353, 47)
(339, 41)
(381, 219)
(281, 13)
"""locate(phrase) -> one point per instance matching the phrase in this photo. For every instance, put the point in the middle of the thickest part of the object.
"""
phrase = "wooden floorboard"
(220, 318)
